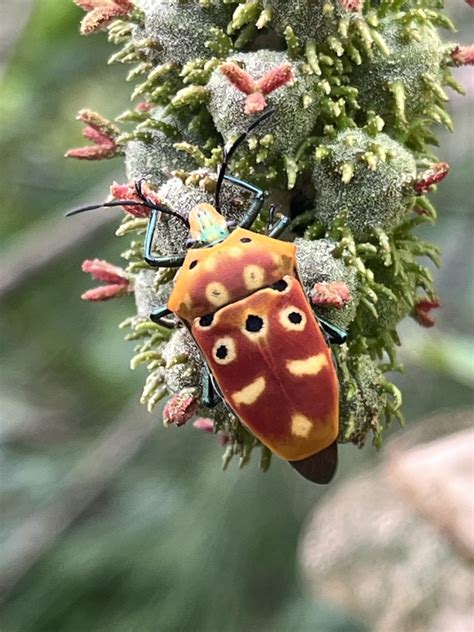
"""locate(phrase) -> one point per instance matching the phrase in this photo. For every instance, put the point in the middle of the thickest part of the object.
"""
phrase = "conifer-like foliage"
(359, 90)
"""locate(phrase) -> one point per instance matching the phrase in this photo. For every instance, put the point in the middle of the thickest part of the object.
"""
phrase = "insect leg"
(210, 395)
(167, 261)
(279, 227)
(336, 335)
(158, 315)
(256, 206)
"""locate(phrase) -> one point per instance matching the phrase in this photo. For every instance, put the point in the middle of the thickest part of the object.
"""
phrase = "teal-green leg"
(335, 335)
(257, 203)
(158, 316)
(210, 394)
(170, 261)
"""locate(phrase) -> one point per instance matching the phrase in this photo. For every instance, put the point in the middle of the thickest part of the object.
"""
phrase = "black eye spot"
(245, 240)
(253, 323)
(280, 286)
(206, 321)
(193, 264)
(222, 352)
(295, 318)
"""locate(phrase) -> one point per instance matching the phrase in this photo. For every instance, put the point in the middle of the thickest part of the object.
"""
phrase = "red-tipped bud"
(436, 173)
(101, 13)
(335, 294)
(276, 78)
(101, 132)
(463, 55)
(117, 281)
(207, 425)
(238, 77)
(422, 311)
(255, 90)
(204, 424)
(352, 5)
(180, 408)
(129, 192)
(255, 103)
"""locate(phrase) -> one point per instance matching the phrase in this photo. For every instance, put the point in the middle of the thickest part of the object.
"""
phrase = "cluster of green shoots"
(358, 91)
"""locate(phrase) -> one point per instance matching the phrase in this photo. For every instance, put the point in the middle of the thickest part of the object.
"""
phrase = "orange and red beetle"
(239, 295)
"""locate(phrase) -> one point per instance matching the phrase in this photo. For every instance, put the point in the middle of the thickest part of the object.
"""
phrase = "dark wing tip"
(319, 468)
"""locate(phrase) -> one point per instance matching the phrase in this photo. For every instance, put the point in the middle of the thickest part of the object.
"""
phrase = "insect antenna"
(146, 203)
(228, 153)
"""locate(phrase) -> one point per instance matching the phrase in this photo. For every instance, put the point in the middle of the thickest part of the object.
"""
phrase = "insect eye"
(193, 264)
(292, 319)
(245, 240)
(206, 321)
(224, 351)
(280, 286)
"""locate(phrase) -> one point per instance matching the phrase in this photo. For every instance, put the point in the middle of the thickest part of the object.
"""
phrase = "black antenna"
(229, 153)
(145, 203)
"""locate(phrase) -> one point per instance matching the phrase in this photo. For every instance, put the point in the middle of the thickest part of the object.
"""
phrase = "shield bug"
(268, 356)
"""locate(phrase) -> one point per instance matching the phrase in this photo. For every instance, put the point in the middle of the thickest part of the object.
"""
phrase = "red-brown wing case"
(274, 368)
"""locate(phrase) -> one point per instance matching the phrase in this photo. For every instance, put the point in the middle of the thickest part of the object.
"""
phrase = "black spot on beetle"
(206, 321)
(245, 240)
(280, 286)
(222, 352)
(295, 318)
(253, 323)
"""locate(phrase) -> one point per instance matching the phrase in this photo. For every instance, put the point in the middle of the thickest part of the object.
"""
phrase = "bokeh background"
(109, 522)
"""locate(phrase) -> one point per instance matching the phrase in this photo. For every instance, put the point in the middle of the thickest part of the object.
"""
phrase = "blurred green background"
(110, 522)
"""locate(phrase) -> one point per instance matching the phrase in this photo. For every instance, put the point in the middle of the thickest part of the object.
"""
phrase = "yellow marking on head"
(254, 277)
(234, 251)
(309, 366)
(187, 300)
(210, 263)
(250, 393)
(301, 426)
(217, 294)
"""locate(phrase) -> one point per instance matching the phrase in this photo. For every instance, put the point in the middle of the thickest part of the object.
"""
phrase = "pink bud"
(129, 192)
(238, 77)
(437, 172)
(463, 55)
(422, 311)
(101, 13)
(105, 292)
(118, 282)
(334, 294)
(99, 131)
(180, 408)
(204, 424)
(104, 271)
(255, 103)
(276, 78)
(352, 5)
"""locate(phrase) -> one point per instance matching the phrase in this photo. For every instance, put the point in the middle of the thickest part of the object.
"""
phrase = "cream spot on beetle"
(309, 366)
(300, 425)
(217, 294)
(250, 393)
(234, 251)
(188, 300)
(224, 350)
(210, 263)
(292, 318)
(254, 277)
